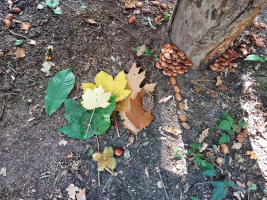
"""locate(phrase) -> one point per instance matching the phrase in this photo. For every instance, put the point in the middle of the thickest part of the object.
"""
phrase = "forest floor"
(34, 166)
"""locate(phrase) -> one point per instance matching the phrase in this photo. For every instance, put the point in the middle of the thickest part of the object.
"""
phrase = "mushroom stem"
(112, 173)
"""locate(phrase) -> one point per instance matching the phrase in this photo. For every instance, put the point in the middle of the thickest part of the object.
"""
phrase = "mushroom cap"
(213, 68)
(220, 160)
(158, 65)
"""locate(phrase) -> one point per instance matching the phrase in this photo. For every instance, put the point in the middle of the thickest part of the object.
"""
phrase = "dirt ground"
(38, 168)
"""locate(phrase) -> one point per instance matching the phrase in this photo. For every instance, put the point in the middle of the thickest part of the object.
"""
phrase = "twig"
(163, 183)
(151, 25)
(108, 40)
(97, 143)
(213, 103)
(158, 23)
(17, 34)
(2, 110)
(199, 184)
(117, 125)
(12, 69)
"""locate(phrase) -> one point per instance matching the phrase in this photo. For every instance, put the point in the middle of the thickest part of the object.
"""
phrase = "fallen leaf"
(130, 4)
(223, 87)
(252, 155)
(48, 58)
(141, 50)
(224, 106)
(33, 42)
(20, 53)
(262, 142)
(3, 171)
(204, 146)
(237, 145)
(136, 12)
(146, 172)
(171, 130)
(90, 21)
(70, 155)
(81, 194)
(219, 81)
(164, 100)
(242, 137)
(86, 172)
(137, 115)
(72, 189)
(202, 136)
(131, 139)
(25, 26)
(62, 142)
(46, 68)
(240, 184)
(96, 98)
(199, 89)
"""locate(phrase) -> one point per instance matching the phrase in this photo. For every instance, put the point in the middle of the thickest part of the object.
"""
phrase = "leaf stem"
(99, 178)
(97, 143)
(89, 124)
(117, 125)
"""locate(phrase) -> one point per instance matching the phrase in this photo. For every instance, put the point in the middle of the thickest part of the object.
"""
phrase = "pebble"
(145, 143)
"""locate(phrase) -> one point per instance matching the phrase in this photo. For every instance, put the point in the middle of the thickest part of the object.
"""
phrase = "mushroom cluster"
(229, 55)
(173, 61)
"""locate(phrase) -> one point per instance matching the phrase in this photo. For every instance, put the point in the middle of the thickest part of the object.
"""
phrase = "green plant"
(193, 198)
(253, 187)
(83, 7)
(177, 153)
(219, 191)
(265, 190)
(242, 124)
(54, 5)
(147, 52)
(167, 16)
(18, 42)
(254, 57)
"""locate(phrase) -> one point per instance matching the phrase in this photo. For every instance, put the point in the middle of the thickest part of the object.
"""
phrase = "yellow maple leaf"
(25, 26)
(95, 98)
(116, 86)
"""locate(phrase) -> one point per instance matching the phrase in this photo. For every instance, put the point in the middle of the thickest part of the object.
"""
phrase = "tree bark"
(203, 29)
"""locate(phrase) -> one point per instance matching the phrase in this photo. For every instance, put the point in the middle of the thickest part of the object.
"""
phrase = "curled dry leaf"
(20, 53)
(242, 136)
(164, 100)
(224, 148)
(70, 155)
(202, 136)
(252, 155)
(62, 142)
(204, 146)
(72, 189)
(237, 145)
(219, 81)
(90, 21)
(171, 130)
(136, 12)
(25, 26)
(141, 50)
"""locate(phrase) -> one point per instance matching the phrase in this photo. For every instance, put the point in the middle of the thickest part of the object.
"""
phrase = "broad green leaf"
(58, 90)
(253, 187)
(224, 138)
(177, 153)
(240, 121)
(218, 193)
(253, 57)
(137, 48)
(245, 125)
(57, 11)
(18, 42)
(209, 172)
(79, 119)
(52, 3)
(225, 125)
(266, 61)
(218, 184)
(228, 183)
(193, 198)
(265, 189)
(195, 145)
(205, 165)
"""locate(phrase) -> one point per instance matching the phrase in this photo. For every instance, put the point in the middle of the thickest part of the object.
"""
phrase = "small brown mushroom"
(158, 65)
(220, 161)
(213, 68)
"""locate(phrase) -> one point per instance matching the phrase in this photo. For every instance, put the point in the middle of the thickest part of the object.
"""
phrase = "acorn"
(259, 44)
(8, 23)
(10, 3)
(15, 10)
(163, 6)
(182, 118)
(172, 80)
(176, 89)
(185, 125)
(9, 17)
(146, 11)
(118, 151)
(181, 106)
(139, 4)
(132, 20)
(178, 97)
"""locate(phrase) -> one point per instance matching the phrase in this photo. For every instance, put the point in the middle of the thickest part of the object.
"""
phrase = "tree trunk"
(203, 29)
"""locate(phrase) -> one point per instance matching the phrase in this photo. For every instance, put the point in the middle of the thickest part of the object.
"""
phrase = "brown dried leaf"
(70, 155)
(237, 145)
(62, 142)
(90, 21)
(223, 87)
(202, 136)
(141, 50)
(170, 130)
(86, 172)
(25, 26)
(81, 194)
(204, 146)
(136, 12)
(130, 5)
(219, 81)
(252, 155)
(20, 53)
(242, 136)
(72, 189)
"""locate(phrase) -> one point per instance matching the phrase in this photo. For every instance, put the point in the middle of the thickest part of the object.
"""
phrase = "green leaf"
(266, 58)
(195, 145)
(218, 184)
(52, 3)
(240, 160)
(215, 146)
(240, 121)
(137, 48)
(58, 90)
(205, 165)
(83, 7)
(177, 153)
(89, 151)
(225, 125)
(57, 11)
(265, 189)
(245, 125)
(253, 187)
(147, 52)
(224, 138)
(202, 103)
(230, 183)
(253, 57)
(209, 172)
(18, 42)
(79, 119)
(193, 198)
(219, 193)
(41, 86)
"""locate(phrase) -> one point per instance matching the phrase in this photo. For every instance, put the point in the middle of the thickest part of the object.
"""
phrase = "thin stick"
(117, 125)
(97, 143)
(213, 103)
(2, 110)
(17, 34)
(158, 23)
(163, 184)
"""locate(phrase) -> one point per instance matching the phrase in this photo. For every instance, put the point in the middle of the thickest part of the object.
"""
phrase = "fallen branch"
(167, 197)
(2, 110)
(17, 34)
